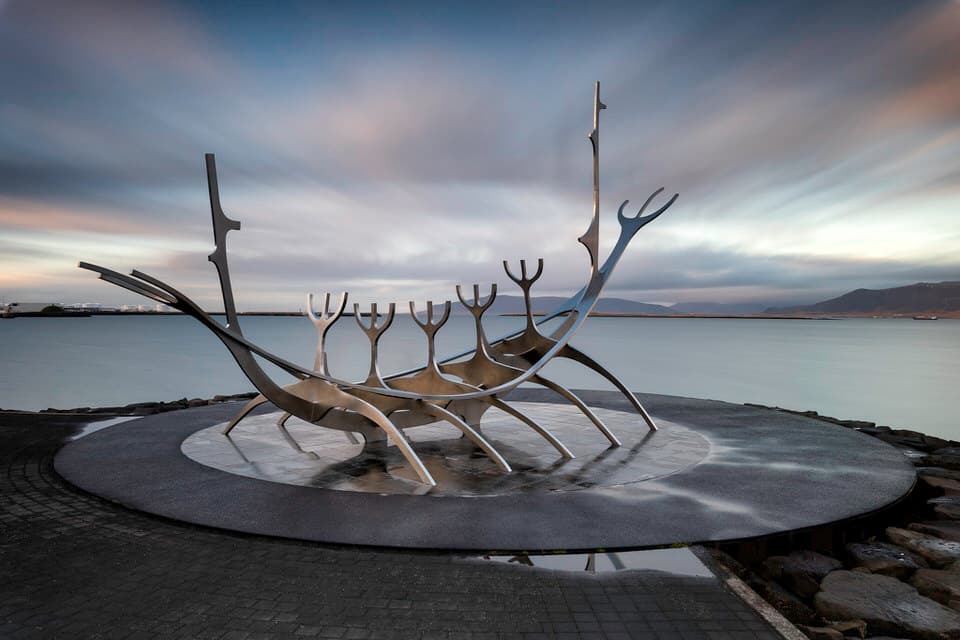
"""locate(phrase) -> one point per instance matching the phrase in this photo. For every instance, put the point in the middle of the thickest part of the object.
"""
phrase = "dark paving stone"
(767, 472)
(77, 566)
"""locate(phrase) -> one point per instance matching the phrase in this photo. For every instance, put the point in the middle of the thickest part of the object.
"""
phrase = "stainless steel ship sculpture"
(456, 389)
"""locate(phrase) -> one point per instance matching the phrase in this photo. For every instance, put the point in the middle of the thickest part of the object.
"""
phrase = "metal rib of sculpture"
(453, 390)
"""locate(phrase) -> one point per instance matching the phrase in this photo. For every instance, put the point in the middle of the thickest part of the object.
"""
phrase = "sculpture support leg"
(282, 423)
(527, 420)
(468, 431)
(247, 408)
(373, 414)
(576, 401)
(296, 445)
(578, 356)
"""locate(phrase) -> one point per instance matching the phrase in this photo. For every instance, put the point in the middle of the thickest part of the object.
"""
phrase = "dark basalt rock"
(801, 571)
(790, 606)
(886, 559)
(150, 408)
(874, 431)
(946, 529)
(886, 605)
(938, 472)
(937, 552)
(946, 507)
(912, 439)
(942, 586)
(948, 457)
(820, 633)
(850, 628)
(947, 485)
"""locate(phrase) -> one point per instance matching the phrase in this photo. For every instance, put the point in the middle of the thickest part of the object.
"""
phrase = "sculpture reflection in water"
(457, 389)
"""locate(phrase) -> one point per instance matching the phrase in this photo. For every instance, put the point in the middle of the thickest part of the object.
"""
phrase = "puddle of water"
(101, 424)
(676, 561)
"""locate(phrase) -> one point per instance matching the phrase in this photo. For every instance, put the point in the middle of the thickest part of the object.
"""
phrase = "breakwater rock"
(150, 408)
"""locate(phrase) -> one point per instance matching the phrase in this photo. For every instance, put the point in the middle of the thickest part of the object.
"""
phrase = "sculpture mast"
(221, 225)
(591, 239)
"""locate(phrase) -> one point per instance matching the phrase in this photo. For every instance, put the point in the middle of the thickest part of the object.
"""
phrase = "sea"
(897, 372)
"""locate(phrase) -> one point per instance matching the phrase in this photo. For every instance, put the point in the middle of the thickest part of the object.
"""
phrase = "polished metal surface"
(381, 407)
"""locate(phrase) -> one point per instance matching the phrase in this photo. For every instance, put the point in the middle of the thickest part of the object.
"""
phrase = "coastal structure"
(29, 307)
(455, 390)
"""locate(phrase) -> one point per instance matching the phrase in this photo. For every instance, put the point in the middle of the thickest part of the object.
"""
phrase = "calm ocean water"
(902, 373)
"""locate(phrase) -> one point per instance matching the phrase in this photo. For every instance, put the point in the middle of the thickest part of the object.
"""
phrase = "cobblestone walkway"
(75, 566)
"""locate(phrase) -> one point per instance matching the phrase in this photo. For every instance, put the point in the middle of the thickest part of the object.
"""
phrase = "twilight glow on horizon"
(394, 150)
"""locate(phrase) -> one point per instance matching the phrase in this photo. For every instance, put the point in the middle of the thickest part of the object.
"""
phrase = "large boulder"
(946, 507)
(946, 529)
(912, 439)
(885, 558)
(887, 605)
(942, 586)
(948, 457)
(938, 472)
(947, 485)
(937, 552)
(789, 605)
(801, 571)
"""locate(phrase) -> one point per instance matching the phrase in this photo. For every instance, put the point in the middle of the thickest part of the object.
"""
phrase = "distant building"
(86, 306)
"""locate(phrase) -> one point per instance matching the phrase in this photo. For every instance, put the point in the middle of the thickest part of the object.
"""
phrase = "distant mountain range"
(545, 304)
(923, 298)
(718, 308)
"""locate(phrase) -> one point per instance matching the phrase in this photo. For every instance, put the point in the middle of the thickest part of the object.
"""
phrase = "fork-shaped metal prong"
(475, 307)
(374, 332)
(476, 310)
(635, 223)
(430, 328)
(323, 322)
(525, 283)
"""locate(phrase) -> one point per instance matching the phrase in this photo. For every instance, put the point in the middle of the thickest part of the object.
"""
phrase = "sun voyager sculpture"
(455, 389)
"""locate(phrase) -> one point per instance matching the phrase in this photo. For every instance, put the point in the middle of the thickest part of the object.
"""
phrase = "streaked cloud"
(398, 151)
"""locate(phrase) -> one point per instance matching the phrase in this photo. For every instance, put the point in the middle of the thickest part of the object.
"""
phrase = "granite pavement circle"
(75, 566)
(766, 472)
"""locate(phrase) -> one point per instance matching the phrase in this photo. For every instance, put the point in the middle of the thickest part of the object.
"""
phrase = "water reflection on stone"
(675, 561)
(304, 455)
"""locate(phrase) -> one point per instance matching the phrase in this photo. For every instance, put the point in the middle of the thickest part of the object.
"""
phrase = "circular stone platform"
(715, 471)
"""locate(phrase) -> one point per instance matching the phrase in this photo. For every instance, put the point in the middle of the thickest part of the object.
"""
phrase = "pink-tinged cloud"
(24, 214)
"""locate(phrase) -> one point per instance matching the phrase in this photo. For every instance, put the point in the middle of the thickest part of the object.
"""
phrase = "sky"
(394, 150)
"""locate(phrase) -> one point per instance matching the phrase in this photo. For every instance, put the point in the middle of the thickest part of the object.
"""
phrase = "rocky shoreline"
(144, 408)
(902, 582)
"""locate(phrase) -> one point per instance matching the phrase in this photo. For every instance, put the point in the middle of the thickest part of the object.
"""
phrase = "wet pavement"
(76, 566)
